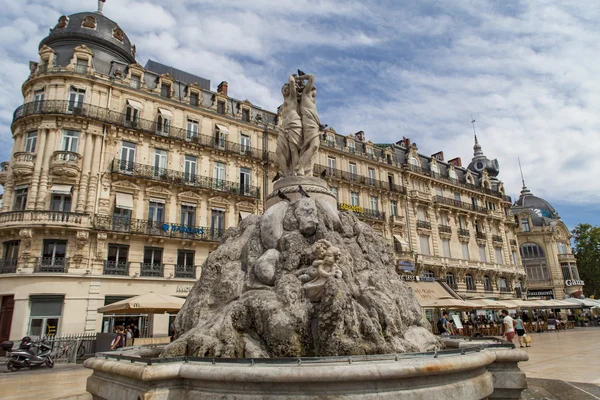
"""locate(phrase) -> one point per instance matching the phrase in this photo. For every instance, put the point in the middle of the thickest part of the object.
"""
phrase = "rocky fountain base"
(284, 293)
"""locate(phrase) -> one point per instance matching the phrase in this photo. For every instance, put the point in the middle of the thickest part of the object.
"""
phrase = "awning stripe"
(155, 200)
(124, 200)
(61, 189)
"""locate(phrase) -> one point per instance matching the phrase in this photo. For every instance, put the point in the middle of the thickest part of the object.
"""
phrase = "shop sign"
(540, 293)
(182, 229)
(183, 289)
(348, 207)
(407, 266)
(409, 278)
(574, 282)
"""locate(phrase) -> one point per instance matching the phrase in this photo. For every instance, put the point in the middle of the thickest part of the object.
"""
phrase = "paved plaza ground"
(561, 366)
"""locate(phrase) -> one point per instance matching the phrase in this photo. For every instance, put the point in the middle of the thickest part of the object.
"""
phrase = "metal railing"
(361, 212)
(463, 232)
(116, 268)
(460, 204)
(118, 223)
(51, 264)
(65, 107)
(185, 271)
(319, 170)
(182, 178)
(497, 238)
(148, 269)
(423, 224)
(70, 348)
(445, 228)
(8, 266)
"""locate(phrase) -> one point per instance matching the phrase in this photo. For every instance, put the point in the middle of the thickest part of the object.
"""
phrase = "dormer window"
(330, 140)
(452, 174)
(413, 161)
(118, 34)
(221, 107)
(89, 22)
(135, 81)
(81, 65)
(369, 152)
(194, 99)
(435, 169)
(63, 22)
(351, 147)
(525, 224)
(245, 115)
(165, 90)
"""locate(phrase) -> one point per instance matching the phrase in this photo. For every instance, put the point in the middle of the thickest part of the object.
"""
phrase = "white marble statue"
(298, 138)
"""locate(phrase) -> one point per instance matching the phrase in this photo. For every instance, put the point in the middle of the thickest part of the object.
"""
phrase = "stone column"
(7, 198)
(93, 180)
(43, 186)
(85, 173)
(35, 179)
(435, 235)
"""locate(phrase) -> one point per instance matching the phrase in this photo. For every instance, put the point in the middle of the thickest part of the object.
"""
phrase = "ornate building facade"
(124, 177)
(545, 246)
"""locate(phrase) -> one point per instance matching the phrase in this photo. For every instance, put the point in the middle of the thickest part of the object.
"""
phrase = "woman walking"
(521, 331)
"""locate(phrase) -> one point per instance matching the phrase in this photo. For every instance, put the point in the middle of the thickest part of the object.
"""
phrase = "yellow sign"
(356, 209)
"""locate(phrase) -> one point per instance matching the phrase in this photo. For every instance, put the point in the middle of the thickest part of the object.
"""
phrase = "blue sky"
(526, 70)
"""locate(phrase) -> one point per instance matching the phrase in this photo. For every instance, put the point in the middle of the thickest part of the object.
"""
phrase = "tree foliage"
(587, 252)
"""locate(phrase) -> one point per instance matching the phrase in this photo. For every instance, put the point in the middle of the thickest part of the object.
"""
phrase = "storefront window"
(45, 315)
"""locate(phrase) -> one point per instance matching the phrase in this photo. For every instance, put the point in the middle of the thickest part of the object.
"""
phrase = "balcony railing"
(460, 204)
(8, 266)
(480, 235)
(155, 228)
(362, 212)
(445, 228)
(185, 271)
(497, 238)
(23, 156)
(463, 232)
(419, 170)
(51, 264)
(102, 114)
(182, 178)
(152, 270)
(116, 268)
(318, 170)
(423, 224)
(43, 216)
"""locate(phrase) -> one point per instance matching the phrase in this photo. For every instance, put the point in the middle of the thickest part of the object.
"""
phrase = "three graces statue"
(298, 137)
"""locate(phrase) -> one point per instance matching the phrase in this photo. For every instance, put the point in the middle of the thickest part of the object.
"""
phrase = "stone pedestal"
(315, 187)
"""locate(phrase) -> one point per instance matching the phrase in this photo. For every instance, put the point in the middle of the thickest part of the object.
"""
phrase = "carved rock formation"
(250, 302)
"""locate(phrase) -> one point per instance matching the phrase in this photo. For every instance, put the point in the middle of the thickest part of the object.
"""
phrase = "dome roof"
(95, 28)
(542, 212)
(480, 162)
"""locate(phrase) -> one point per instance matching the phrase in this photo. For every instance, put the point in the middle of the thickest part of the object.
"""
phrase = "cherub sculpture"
(324, 266)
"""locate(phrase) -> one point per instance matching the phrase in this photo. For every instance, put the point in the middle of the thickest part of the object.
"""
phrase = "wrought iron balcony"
(357, 179)
(459, 204)
(498, 238)
(181, 178)
(64, 107)
(185, 271)
(116, 268)
(51, 264)
(463, 232)
(152, 270)
(480, 235)
(8, 266)
(118, 223)
(424, 224)
(361, 212)
(445, 228)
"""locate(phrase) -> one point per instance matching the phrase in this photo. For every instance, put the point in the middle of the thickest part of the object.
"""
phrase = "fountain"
(303, 302)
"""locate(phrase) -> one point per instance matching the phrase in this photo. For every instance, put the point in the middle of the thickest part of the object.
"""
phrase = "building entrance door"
(6, 314)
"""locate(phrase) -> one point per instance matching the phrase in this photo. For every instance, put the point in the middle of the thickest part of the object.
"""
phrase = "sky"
(526, 71)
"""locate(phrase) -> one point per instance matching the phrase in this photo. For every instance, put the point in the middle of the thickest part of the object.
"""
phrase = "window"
(566, 271)
(54, 253)
(439, 191)
(413, 161)
(428, 274)
(221, 137)
(70, 141)
(482, 254)
(76, 99)
(487, 284)
(374, 203)
(534, 261)
(245, 143)
(499, 258)
(160, 162)
(245, 180)
(531, 250)
(421, 214)
(562, 248)
(127, 156)
(446, 248)
(479, 227)
(393, 208)
(188, 215)
(81, 65)
(38, 99)
(20, 199)
(354, 199)
(132, 116)
(217, 222)
(465, 251)
(219, 174)
(185, 264)
(444, 218)
(450, 280)
(152, 265)
(372, 176)
(351, 147)
(221, 107)
(10, 252)
(45, 315)
(424, 245)
(502, 285)
(435, 169)
(352, 170)
(165, 90)
(31, 141)
(525, 224)
(60, 202)
(575, 272)
(331, 165)
(192, 130)
(116, 261)
(514, 258)
(121, 219)
(135, 81)
(452, 174)
(470, 282)
(369, 152)
(334, 192)
(163, 124)
(189, 168)
(330, 140)
(462, 222)
(245, 115)
(156, 213)
(194, 99)
(391, 181)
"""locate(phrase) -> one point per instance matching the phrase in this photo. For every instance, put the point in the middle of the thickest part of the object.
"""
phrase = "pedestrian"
(443, 326)
(129, 335)
(136, 332)
(119, 341)
(508, 326)
(521, 332)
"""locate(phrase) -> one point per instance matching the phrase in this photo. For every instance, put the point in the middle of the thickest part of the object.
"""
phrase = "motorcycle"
(25, 356)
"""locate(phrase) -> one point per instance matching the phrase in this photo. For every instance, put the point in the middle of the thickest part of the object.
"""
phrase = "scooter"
(25, 357)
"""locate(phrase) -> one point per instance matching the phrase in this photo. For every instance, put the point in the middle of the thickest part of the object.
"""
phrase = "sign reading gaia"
(574, 282)
(183, 229)
(356, 209)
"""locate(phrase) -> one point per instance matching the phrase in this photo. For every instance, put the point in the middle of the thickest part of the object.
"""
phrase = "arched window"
(534, 260)
(428, 274)
(89, 22)
(487, 284)
(414, 161)
(450, 280)
(470, 282)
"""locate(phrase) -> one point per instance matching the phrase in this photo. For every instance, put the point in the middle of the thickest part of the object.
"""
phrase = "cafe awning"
(135, 104)
(124, 201)
(581, 302)
(431, 294)
(222, 129)
(61, 189)
(149, 303)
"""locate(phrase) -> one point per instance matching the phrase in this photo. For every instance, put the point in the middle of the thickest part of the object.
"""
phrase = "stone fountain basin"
(474, 373)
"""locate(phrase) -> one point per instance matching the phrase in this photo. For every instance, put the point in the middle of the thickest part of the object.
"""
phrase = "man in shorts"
(508, 326)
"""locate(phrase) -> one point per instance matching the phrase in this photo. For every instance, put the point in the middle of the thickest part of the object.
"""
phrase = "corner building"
(123, 178)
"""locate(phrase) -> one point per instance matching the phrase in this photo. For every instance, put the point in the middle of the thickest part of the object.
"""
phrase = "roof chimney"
(360, 136)
(222, 88)
(405, 142)
(438, 156)
(456, 162)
